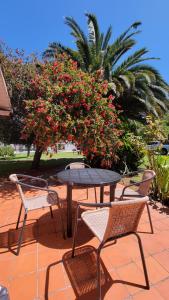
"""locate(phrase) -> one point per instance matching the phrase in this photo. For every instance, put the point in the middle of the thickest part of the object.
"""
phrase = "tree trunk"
(36, 159)
(28, 150)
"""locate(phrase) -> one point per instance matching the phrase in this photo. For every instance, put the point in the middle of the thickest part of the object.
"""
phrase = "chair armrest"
(133, 184)
(35, 187)
(128, 186)
(96, 205)
(108, 204)
(41, 189)
(33, 178)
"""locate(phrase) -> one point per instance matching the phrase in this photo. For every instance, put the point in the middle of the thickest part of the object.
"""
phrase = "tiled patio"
(45, 270)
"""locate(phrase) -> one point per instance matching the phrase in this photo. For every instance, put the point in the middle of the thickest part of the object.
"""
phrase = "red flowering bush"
(70, 105)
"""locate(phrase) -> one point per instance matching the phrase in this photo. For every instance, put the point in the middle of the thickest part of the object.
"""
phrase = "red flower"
(70, 137)
(40, 110)
(111, 97)
(48, 118)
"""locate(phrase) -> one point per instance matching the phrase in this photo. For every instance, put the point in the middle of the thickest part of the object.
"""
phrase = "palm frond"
(119, 87)
(148, 107)
(101, 40)
(85, 53)
(161, 104)
(57, 48)
(125, 80)
(77, 32)
(133, 59)
(159, 90)
(131, 34)
(152, 69)
(107, 38)
(153, 100)
(132, 26)
(51, 51)
(144, 77)
(94, 32)
(149, 75)
(117, 51)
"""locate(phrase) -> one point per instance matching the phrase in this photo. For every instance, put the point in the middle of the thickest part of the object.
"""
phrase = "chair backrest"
(147, 179)
(14, 178)
(77, 165)
(124, 217)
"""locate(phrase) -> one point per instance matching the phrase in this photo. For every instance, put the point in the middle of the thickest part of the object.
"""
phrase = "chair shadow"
(9, 238)
(34, 231)
(82, 273)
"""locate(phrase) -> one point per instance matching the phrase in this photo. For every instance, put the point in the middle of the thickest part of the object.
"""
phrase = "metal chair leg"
(75, 232)
(62, 222)
(51, 212)
(150, 220)
(95, 194)
(21, 234)
(20, 211)
(98, 272)
(87, 193)
(143, 261)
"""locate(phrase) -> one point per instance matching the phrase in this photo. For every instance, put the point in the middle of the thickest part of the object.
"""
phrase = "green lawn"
(23, 156)
(20, 163)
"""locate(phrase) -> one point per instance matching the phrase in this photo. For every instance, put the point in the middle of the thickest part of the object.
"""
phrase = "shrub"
(154, 130)
(160, 164)
(131, 153)
(6, 152)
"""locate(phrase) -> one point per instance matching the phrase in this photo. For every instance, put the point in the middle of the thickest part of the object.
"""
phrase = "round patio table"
(87, 177)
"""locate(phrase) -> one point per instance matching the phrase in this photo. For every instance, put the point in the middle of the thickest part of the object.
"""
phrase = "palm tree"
(136, 85)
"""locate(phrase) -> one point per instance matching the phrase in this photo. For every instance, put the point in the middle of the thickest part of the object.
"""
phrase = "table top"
(88, 177)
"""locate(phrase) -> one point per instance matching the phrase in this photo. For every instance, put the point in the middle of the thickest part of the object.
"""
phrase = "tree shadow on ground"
(161, 208)
(44, 230)
(47, 169)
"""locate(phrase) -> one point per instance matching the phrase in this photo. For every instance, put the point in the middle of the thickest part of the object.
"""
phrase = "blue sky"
(32, 24)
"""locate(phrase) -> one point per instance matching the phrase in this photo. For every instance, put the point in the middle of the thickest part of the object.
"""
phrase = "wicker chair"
(126, 192)
(46, 199)
(81, 165)
(114, 220)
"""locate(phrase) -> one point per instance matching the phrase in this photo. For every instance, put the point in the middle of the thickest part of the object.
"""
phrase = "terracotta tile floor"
(44, 269)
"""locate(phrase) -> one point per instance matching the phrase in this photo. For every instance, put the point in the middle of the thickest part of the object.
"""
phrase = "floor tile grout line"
(143, 291)
(160, 263)
(56, 291)
(163, 280)
(152, 285)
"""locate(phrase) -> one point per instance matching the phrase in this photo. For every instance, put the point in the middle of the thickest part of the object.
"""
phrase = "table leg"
(69, 210)
(101, 194)
(112, 192)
